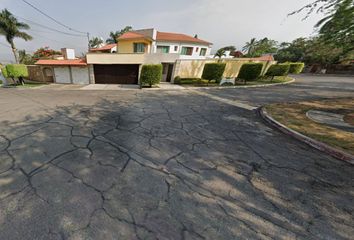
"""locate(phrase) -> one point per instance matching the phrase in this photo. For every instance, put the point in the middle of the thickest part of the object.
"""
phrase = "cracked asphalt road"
(165, 165)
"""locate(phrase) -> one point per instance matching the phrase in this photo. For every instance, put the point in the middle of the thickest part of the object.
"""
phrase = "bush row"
(248, 71)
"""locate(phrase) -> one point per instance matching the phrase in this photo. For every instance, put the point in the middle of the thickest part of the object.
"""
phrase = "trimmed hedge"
(213, 71)
(151, 74)
(17, 70)
(4, 72)
(296, 67)
(177, 80)
(281, 69)
(250, 71)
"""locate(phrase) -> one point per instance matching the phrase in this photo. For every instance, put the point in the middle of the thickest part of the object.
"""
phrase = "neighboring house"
(69, 69)
(146, 46)
(152, 41)
(109, 48)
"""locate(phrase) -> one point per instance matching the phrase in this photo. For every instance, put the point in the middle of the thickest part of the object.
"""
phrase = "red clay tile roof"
(69, 62)
(265, 58)
(178, 37)
(131, 35)
(104, 48)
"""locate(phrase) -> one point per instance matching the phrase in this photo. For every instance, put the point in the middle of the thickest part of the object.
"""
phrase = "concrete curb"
(334, 152)
(240, 86)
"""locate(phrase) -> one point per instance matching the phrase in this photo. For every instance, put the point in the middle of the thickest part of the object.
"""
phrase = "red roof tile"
(131, 35)
(68, 62)
(104, 48)
(264, 58)
(178, 37)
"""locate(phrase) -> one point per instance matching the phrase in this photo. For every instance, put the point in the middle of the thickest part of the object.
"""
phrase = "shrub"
(296, 67)
(213, 71)
(250, 71)
(17, 70)
(281, 69)
(151, 74)
(177, 80)
(4, 72)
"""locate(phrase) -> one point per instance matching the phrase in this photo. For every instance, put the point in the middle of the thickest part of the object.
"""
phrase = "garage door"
(117, 74)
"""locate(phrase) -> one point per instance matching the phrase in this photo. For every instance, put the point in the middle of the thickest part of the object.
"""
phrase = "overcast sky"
(222, 22)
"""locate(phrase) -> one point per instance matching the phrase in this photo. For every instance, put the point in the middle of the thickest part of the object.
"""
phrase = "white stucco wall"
(62, 75)
(80, 75)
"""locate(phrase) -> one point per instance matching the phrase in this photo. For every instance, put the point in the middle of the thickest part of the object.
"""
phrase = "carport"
(116, 73)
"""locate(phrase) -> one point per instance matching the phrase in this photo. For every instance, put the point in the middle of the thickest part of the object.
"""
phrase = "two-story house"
(146, 46)
(153, 41)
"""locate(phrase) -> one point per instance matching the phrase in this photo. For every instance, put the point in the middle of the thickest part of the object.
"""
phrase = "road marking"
(227, 101)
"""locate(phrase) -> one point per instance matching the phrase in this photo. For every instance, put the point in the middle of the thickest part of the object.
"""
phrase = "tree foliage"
(113, 36)
(220, 53)
(336, 29)
(314, 50)
(25, 58)
(11, 28)
(256, 48)
(45, 52)
(95, 42)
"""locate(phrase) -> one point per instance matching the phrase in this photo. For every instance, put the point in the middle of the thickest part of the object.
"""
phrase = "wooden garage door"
(117, 74)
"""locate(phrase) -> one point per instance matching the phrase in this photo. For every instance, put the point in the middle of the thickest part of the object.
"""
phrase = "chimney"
(68, 53)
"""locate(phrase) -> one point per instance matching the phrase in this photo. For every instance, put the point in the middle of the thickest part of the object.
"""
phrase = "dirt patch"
(294, 116)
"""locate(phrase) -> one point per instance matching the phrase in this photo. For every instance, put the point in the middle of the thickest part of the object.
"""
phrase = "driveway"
(166, 165)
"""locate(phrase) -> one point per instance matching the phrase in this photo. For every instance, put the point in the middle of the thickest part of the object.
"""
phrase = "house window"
(176, 48)
(139, 47)
(163, 49)
(203, 52)
(187, 51)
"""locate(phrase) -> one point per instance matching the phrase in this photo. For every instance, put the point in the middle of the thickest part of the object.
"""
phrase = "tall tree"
(95, 42)
(113, 36)
(265, 46)
(292, 52)
(11, 28)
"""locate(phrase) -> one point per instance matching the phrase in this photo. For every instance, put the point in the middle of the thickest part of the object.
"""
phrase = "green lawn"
(294, 116)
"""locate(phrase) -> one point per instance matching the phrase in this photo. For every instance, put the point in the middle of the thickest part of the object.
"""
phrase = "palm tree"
(113, 36)
(95, 42)
(220, 53)
(10, 27)
(25, 58)
(250, 46)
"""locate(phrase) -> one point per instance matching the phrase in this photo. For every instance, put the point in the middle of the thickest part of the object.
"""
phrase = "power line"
(53, 19)
(65, 44)
(51, 29)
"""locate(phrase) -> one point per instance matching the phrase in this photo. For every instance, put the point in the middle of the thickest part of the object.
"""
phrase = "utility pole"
(88, 41)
